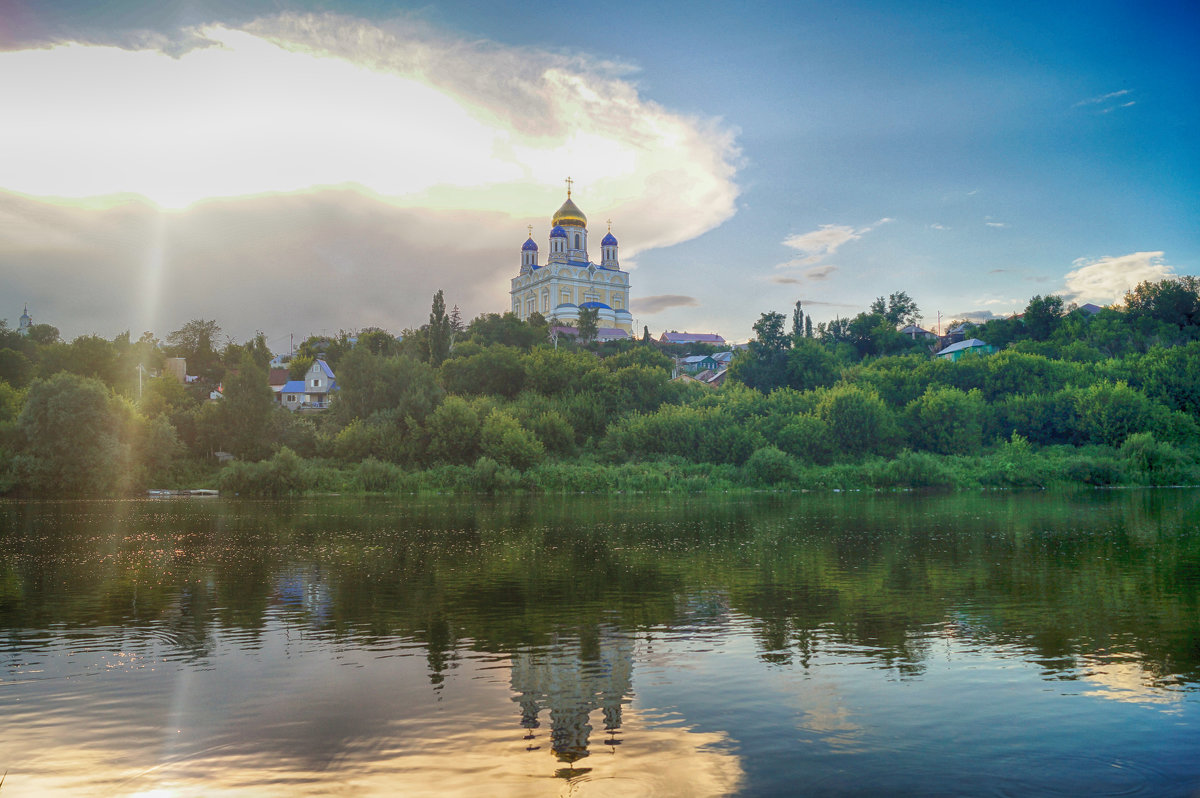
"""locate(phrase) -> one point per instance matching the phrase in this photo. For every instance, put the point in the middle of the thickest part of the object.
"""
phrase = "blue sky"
(308, 167)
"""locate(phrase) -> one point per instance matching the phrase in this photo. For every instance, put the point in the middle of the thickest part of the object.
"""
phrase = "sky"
(320, 165)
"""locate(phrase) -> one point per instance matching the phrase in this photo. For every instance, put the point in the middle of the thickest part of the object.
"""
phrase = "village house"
(310, 393)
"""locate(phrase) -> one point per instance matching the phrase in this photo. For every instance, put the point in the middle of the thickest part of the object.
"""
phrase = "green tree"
(497, 370)
(588, 324)
(70, 438)
(369, 384)
(504, 440)
(246, 410)
(440, 331)
(454, 432)
(1042, 316)
(810, 365)
(859, 422)
(946, 421)
(196, 342)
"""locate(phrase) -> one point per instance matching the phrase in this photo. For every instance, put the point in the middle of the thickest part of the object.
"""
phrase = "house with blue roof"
(312, 392)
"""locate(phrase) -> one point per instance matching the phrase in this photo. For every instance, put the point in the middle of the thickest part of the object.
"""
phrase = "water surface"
(854, 644)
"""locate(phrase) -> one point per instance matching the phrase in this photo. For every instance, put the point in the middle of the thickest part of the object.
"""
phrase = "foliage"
(503, 439)
(370, 384)
(285, 474)
(497, 370)
(440, 331)
(946, 421)
(71, 438)
(770, 466)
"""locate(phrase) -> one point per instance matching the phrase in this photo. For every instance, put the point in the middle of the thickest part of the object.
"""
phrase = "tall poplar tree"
(440, 329)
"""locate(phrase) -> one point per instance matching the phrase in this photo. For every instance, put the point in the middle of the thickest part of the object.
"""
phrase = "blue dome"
(558, 232)
(595, 305)
(530, 246)
(609, 240)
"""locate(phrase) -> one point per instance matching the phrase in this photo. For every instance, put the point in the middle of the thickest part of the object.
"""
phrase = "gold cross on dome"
(610, 225)
(569, 182)
(530, 230)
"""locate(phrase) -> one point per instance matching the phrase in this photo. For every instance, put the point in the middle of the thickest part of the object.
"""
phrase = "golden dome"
(569, 214)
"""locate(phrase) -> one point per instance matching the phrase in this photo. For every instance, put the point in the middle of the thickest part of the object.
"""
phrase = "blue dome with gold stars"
(609, 240)
(530, 246)
(558, 232)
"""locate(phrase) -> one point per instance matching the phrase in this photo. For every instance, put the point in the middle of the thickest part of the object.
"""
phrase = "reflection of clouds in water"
(660, 760)
(308, 716)
(1126, 680)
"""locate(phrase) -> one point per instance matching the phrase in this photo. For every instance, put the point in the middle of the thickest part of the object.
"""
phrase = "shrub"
(285, 474)
(454, 432)
(376, 476)
(807, 438)
(770, 466)
(946, 421)
(556, 435)
(504, 440)
(859, 422)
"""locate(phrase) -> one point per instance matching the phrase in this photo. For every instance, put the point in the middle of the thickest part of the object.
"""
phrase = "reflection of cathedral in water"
(573, 677)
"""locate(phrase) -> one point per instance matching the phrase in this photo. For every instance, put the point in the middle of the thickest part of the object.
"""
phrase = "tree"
(646, 334)
(43, 334)
(1174, 301)
(588, 324)
(810, 365)
(797, 322)
(899, 309)
(195, 341)
(70, 438)
(440, 330)
(246, 410)
(1042, 316)
(370, 384)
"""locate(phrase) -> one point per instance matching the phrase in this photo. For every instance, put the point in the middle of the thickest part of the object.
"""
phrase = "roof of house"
(277, 377)
(694, 359)
(970, 343)
(325, 368)
(1090, 308)
(293, 386)
(691, 338)
(723, 357)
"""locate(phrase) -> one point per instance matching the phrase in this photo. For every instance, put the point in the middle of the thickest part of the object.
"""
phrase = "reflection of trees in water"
(1058, 577)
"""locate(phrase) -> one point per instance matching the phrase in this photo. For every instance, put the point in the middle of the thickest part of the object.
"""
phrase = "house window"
(316, 383)
(291, 397)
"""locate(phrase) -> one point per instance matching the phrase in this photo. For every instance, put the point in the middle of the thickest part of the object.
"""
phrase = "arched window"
(577, 241)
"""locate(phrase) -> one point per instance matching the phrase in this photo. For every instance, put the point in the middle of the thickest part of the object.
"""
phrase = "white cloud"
(936, 226)
(822, 241)
(996, 224)
(1102, 98)
(421, 120)
(1105, 280)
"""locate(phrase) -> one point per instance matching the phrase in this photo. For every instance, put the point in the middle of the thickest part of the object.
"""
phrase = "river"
(839, 644)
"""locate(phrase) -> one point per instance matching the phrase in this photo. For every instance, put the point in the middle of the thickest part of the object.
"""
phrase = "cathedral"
(568, 281)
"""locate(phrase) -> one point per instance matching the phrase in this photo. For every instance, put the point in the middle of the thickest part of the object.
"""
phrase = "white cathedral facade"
(569, 281)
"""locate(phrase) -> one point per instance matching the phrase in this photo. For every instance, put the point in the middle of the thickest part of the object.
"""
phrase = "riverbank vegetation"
(1073, 397)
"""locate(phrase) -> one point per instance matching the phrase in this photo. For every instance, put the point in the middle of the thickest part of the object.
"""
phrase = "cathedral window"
(577, 241)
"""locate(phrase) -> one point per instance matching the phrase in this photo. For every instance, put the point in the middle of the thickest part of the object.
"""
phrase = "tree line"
(500, 403)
